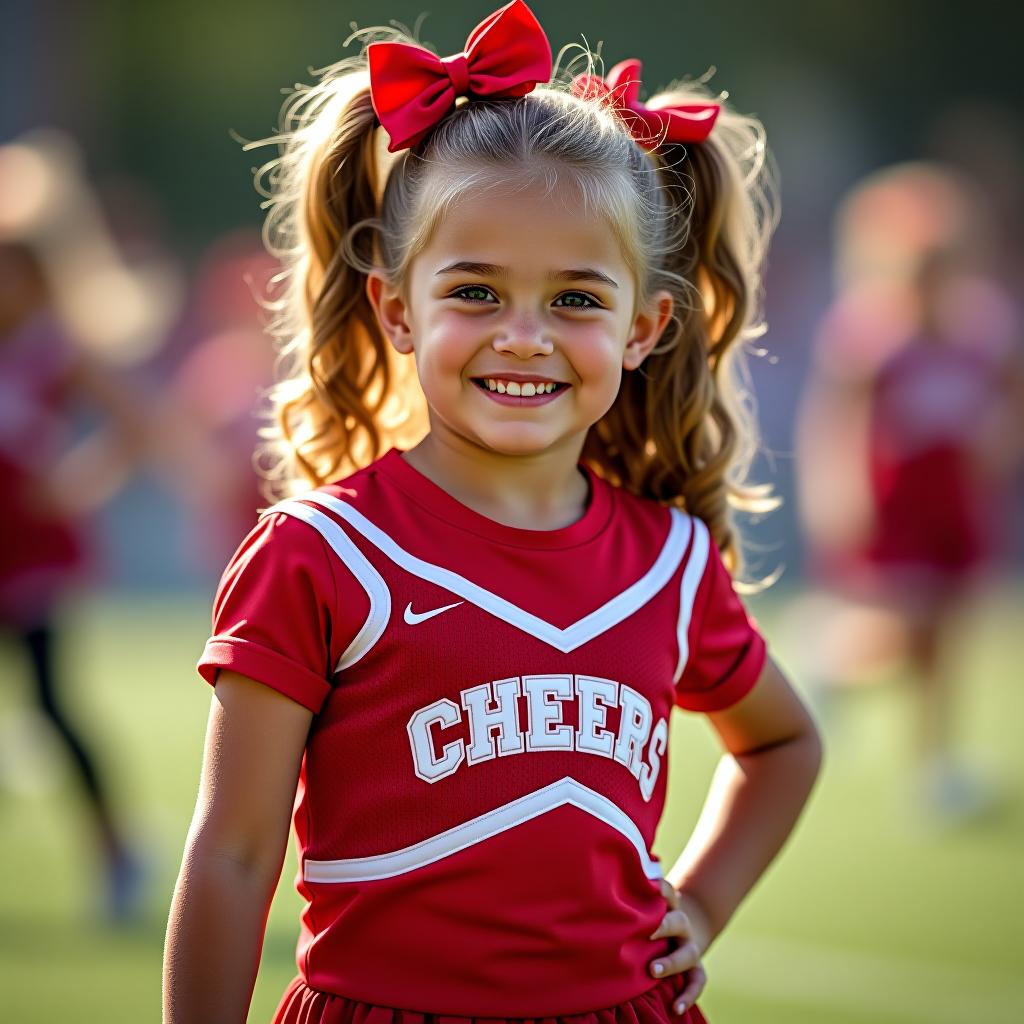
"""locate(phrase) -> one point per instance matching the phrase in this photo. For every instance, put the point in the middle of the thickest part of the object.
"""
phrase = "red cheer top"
(487, 761)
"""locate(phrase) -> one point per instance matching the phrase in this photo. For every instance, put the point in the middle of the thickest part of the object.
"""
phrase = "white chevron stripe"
(354, 560)
(692, 575)
(501, 819)
(597, 622)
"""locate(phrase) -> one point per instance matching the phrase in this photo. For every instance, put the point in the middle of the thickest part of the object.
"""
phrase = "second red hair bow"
(652, 125)
(412, 89)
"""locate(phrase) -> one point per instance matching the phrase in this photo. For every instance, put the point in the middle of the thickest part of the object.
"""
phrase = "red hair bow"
(654, 125)
(506, 55)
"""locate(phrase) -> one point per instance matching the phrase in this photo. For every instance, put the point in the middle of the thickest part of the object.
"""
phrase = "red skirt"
(304, 1005)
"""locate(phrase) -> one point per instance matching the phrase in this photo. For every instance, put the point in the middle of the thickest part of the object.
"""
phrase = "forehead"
(536, 226)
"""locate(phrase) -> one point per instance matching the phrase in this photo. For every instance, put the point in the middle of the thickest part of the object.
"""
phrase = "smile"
(512, 392)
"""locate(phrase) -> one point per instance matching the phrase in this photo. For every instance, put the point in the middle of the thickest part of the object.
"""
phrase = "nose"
(524, 337)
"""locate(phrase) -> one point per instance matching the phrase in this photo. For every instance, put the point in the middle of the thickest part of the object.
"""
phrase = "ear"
(648, 325)
(392, 311)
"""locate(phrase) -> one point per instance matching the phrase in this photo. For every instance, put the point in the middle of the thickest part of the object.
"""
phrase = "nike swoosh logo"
(413, 617)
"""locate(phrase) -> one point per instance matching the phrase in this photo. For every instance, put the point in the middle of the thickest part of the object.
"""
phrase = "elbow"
(256, 856)
(803, 753)
(813, 748)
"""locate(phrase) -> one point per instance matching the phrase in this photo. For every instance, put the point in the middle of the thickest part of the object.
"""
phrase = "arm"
(234, 851)
(773, 754)
(95, 468)
(832, 459)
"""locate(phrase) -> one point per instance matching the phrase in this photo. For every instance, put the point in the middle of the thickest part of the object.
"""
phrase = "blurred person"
(909, 434)
(533, 254)
(48, 490)
(117, 310)
(73, 315)
(214, 394)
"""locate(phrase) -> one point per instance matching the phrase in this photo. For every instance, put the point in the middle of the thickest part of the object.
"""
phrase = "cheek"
(445, 347)
(596, 354)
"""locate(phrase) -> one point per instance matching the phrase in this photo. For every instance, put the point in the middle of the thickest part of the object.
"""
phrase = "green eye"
(575, 300)
(475, 293)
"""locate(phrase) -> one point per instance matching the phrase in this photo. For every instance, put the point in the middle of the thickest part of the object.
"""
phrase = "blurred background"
(132, 361)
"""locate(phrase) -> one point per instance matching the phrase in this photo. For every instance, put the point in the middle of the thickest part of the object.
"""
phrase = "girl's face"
(522, 314)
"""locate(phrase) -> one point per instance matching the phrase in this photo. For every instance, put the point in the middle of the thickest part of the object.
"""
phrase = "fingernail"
(659, 968)
(680, 1007)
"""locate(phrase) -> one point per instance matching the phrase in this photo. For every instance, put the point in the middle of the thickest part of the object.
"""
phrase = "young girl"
(459, 661)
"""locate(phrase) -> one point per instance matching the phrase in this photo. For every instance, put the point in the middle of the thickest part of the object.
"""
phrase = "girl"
(917, 386)
(460, 659)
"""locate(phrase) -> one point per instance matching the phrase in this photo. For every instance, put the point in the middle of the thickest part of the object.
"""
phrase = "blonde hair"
(694, 220)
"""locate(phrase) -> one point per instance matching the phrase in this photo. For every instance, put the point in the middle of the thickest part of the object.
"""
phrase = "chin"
(517, 442)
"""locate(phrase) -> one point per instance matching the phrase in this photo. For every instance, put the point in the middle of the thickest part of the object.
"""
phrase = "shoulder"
(40, 352)
(659, 523)
(361, 489)
(326, 523)
(984, 321)
(304, 536)
(722, 650)
(863, 330)
(634, 510)
(364, 489)
(278, 551)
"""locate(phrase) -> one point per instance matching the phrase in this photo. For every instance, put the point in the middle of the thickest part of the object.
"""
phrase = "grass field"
(869, 916)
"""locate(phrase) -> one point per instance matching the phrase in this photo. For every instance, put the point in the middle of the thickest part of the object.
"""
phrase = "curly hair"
(693, 219)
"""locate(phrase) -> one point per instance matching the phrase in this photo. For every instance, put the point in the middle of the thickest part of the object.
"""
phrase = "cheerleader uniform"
(487, 760)
(935, 514)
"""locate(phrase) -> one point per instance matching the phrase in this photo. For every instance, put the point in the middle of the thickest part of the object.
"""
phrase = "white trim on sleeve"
(357, 563)
(692, 575)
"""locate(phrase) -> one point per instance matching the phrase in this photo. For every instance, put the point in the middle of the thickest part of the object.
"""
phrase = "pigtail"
(694, 219)
(336, 396)
(683, 429)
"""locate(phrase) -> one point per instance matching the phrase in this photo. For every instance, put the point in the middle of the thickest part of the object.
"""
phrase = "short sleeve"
(276, 615)
(726, 652)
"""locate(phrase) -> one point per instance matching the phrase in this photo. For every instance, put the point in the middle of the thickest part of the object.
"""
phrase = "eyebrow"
(493, 270)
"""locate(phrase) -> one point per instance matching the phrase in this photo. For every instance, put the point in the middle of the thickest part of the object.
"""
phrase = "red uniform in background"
(487, 762)
(935, 512)
(927, 445)
(42, 548)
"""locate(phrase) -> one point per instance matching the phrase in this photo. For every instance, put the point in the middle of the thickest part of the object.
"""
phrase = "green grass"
(868, 916)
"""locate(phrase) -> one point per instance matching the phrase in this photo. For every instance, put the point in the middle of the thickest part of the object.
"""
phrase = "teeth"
(527, 390)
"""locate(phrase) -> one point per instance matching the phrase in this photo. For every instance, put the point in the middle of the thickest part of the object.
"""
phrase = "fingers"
(674, 923)
(695, 982)
(686, 957)
(669, 891)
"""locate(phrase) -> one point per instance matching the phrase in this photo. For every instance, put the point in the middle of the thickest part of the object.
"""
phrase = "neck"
(530, 492)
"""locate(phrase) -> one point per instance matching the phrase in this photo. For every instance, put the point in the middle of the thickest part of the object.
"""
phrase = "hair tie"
(653, 125)
(412, 89)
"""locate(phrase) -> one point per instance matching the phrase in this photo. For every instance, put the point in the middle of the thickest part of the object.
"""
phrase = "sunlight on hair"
(694, 220)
